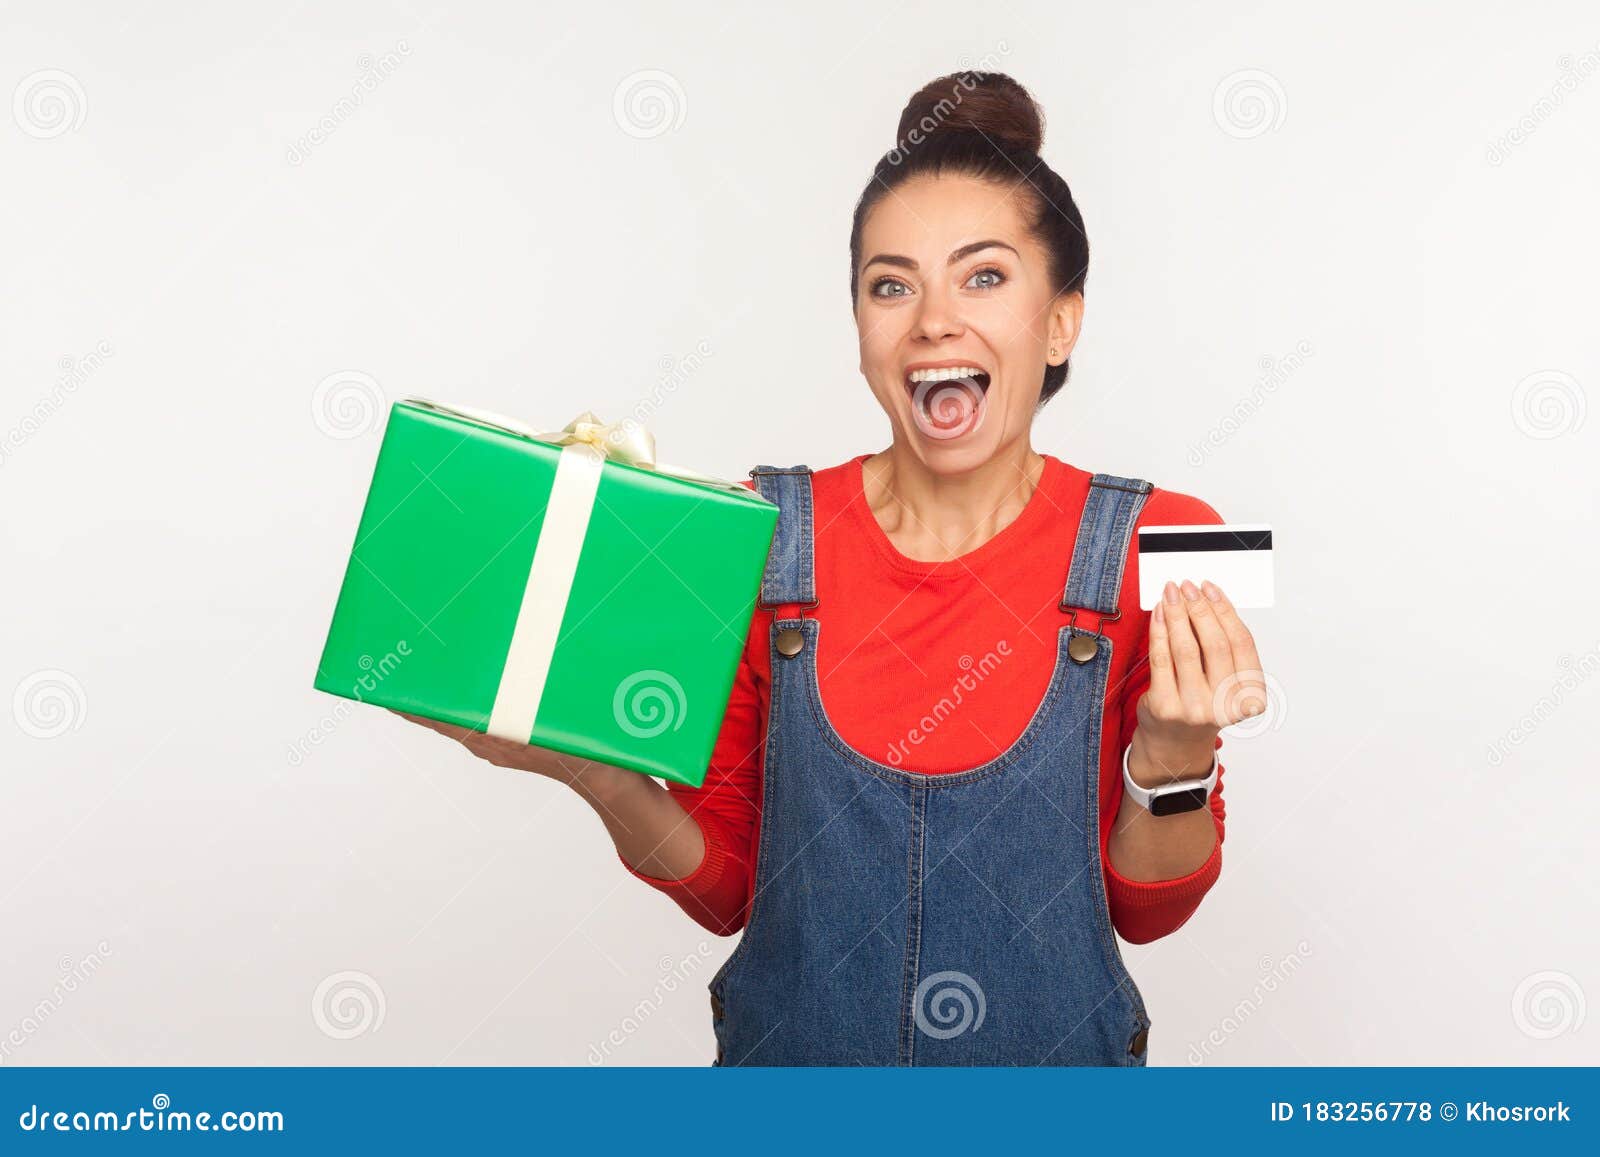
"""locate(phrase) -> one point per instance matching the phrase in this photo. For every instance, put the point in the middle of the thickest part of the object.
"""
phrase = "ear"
(1064, 324)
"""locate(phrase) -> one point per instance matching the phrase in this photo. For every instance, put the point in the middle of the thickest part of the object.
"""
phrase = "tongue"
(949, 409)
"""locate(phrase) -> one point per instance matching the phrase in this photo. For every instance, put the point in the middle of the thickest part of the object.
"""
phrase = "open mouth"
(948, 401)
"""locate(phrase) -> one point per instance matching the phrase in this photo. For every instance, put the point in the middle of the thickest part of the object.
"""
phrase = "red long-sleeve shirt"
(897, 636)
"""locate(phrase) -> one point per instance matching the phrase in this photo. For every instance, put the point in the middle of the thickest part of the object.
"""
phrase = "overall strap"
(1094, 577)
(791, 574)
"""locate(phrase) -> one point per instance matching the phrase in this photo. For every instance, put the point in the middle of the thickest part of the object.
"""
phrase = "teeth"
(945, 375)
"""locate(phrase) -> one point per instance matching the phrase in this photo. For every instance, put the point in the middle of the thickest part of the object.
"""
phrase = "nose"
(937, 317)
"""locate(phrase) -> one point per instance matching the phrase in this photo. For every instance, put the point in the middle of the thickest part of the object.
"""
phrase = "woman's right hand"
(586, 775)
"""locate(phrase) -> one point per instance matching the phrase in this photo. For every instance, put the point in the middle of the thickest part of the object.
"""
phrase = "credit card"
(1237, 557)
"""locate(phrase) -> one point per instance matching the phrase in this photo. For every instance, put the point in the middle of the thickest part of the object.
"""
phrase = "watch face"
(1172, 802)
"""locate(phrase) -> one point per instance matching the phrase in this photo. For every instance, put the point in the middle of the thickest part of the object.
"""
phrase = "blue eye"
(996, 276)
(889, 283)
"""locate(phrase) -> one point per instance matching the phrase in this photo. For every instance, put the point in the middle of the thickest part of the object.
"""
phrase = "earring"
(1052, 351)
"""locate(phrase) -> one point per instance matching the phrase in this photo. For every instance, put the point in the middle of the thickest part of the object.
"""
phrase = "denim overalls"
(909, 919)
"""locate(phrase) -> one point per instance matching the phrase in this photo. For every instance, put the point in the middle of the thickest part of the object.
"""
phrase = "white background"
(491, 225)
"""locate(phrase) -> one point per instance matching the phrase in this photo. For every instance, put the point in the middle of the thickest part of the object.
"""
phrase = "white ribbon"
(544, 598)
(586, 445)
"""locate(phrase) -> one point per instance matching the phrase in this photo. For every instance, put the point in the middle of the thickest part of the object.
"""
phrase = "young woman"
(928, 807)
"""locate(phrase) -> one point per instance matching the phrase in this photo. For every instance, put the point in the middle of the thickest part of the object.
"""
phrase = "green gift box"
(556, 589)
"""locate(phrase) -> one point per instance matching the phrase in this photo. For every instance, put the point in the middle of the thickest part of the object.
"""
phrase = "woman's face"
(956, 315)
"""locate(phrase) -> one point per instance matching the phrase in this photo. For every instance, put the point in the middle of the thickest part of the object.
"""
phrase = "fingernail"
(1213, 592)
(1190, 591)
(1158, 615)
(1170, 593)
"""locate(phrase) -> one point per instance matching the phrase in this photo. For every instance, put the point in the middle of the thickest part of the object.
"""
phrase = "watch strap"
(1169, 798)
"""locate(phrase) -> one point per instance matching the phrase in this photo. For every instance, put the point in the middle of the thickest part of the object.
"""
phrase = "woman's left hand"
(1204, 675)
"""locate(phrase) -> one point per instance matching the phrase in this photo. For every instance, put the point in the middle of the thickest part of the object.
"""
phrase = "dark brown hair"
(984, 125)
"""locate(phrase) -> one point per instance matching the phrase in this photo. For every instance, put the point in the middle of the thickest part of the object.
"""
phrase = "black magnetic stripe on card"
(1165, 542)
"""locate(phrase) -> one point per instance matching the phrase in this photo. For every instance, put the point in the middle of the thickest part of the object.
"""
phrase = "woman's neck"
(934, 517)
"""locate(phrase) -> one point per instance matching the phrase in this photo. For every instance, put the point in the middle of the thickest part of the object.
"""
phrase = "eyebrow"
(965, 251)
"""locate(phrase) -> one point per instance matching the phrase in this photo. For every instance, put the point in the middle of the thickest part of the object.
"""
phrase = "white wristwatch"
(1184, 795)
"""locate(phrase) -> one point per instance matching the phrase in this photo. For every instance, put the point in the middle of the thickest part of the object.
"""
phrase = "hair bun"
(987, 102)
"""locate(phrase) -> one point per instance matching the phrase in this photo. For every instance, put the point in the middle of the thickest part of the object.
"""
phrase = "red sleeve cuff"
(705, 876)
(1141, 895)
